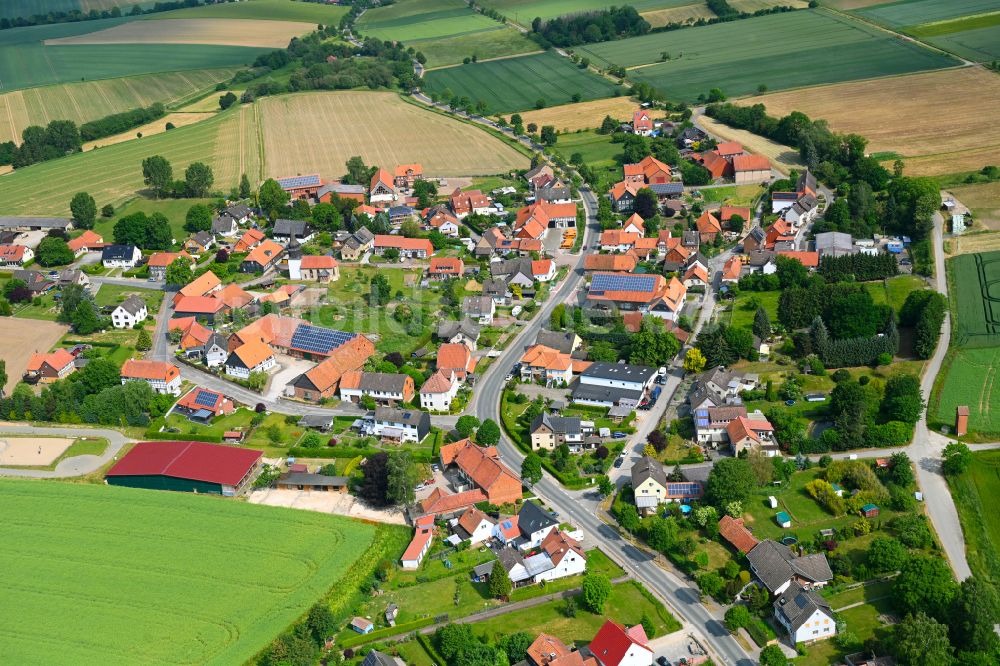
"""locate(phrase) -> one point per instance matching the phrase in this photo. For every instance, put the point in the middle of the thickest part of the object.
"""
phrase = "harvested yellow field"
(319, 132)
(583, 115)
(682, 14)
(223, 32)
(783, 158)
(150, 129)
(22, 338)
(983, 199)
(756, 5)
(922, 116)
(973, 243)
(90, 100)
(206, 104)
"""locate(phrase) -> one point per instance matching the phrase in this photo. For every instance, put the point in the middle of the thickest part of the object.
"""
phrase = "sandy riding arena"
(31, 451)
(20, 338)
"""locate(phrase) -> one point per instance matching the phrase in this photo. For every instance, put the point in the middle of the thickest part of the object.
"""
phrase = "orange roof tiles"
(454, 356)
(558, 544)
(248, 240)
(715, 163)
(732, 269)
(708, 224)
(318, 262)
(807, 259)
(164, 259)
(729, 148)
(727, 212)
(621, 188)
(199, 304)
(12, 252)
(658, 290)
(531, 229)
(265, 253)
(632, 321)
(472, 518)
(635, 220)
(201, 285)
(440, 501)
(439, 382)
(87, 239)
(697, 272)
(402, 169)
(138, 369)
(253, 353)
(233, 296)
(446, 265)
(624, 263)
(545, 649)
(540, 356)
(618, 237)
(633, 170)
(732, 530)
(404, 243)
(381, 177)
(57, 360)
(541, 267)
(751, 163)
(350, 356)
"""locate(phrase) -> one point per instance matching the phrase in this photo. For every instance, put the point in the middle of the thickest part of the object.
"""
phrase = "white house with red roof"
(616, 645)
(642, 123)
(382, 188)
(421, 543)
(473, 526)
(15, 255)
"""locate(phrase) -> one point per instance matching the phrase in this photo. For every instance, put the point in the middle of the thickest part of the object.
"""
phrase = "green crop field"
(81, 102)
(120, 576)
(523, 11)
(25, 8)
(975, 491)
(409, 20)
(229, 143)
(25, 61)
(515, 84)
(971, 379)
(977, 304)
(273, 10)
(502, 41)
(915, 12)
(780, 51)
(981, 44)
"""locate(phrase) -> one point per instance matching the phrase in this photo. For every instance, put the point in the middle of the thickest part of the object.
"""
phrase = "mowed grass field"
(81, 102)
(267, 10)
(319, 132)
(983, 199)
(229, 143)
(516, 84)
(140, 576)
(408, 20)
(977, 303)
(971, 380)
(780, 51)
(524, 11)
(25, 61)
(975, 491)
(25, 8)
(497, 43)
(227, 32)
(916, 12)
(934, 134)
(20, 341)
(584, 115)
(976, 39)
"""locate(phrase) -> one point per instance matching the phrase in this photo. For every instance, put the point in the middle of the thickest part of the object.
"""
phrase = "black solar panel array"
(319, 340)
(206, 398)
(603, 282)
(299, 181)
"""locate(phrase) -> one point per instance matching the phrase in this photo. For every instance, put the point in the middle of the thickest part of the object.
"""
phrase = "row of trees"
(158, 175)
(76, 15)
(862, 349)
(588, 28)
(924, 310)
(121, 122)
(858, 267)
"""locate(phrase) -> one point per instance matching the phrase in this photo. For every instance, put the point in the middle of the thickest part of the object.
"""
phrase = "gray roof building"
(405, 417)
(446, 330)
(775, 564)
(383, 382)
(558, 425)
(340, 189)
(532, 518)
(648, 468)
(37, 223)
(376, 658)
(290, 228)
(477, 306)
(133, 305)
(834, 244)
(619, 372)
(797, 604)
(604, 394)
(565, 342)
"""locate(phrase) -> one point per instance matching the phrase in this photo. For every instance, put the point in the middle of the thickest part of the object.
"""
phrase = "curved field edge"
(89, 100)
(980, 523)
(194, 579)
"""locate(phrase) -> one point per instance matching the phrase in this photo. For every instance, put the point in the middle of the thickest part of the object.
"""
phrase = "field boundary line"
(504, 57)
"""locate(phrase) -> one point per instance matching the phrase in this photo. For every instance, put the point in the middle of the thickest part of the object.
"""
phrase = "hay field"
(693, 12)
(584, 115)
(487, 44)
(319, 132)
(174, 579)
(971, 243)
(150, 129)
(783, 158)
(226, 32)
(983, 199)
(909, 115)
(227, 142)
(82, 102)
(755, 5)
(523, 11)
(21, 339)
(25, 8)
(916, 12)
(409, 20)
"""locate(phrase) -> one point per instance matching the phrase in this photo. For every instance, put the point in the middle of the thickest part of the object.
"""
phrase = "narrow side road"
(75, 466)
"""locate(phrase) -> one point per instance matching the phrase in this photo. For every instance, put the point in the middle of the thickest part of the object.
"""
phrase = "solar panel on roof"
(683, 488)
(622, 282)
(299, 181)
(206, 398)
(507, 525)
(320, 340)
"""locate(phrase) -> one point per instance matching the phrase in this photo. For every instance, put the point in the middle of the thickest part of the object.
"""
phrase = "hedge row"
(404, 628)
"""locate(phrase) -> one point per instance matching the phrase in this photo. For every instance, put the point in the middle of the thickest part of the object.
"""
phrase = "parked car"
(618, 462)
(618, 434)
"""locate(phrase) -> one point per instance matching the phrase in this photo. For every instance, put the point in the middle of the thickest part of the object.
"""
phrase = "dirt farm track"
(20, 339)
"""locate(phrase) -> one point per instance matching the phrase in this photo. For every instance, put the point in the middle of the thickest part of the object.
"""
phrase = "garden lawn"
(172, 565)
(739, 56)
(626, 605)
(46, 309)
(113, 294)
(744, 308)
(517, 84)
(808, 516)
(862, 621)
(213, 432)
(975, 491)
(175, 210)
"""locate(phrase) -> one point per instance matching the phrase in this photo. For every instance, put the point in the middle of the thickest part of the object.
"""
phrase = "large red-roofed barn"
(193, 467)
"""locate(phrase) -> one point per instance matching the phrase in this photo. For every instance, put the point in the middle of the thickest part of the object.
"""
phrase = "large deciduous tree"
(157, 174)
(84, 210)
(198, 179)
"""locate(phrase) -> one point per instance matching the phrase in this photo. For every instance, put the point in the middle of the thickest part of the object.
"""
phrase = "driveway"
(289, 369)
